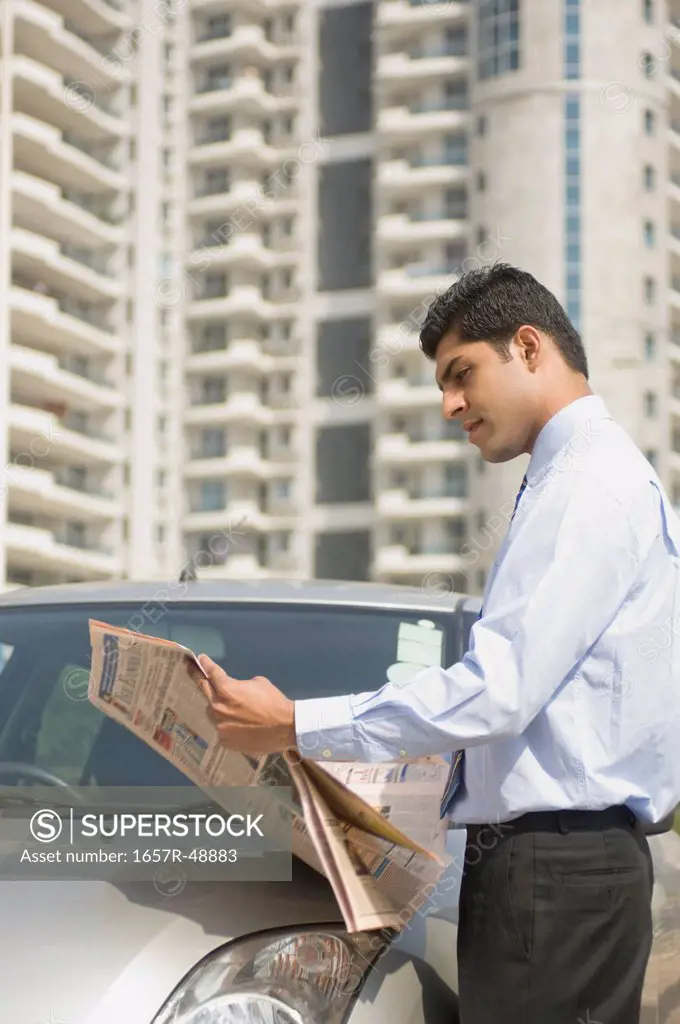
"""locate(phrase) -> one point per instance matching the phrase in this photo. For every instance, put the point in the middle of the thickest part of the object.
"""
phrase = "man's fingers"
(206, 688)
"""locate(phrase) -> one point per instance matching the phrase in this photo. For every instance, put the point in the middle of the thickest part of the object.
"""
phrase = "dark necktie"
(455, 779)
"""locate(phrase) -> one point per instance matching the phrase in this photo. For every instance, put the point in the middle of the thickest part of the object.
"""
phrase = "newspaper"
(372, 829)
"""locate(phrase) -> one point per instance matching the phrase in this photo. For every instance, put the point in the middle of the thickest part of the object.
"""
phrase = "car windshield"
(47, 722)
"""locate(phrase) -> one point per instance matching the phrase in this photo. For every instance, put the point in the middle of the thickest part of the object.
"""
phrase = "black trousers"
(555, 922)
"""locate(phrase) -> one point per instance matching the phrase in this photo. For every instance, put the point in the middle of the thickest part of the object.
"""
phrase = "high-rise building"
(221, 223)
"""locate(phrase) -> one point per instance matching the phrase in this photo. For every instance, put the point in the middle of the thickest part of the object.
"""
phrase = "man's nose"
(452, 405)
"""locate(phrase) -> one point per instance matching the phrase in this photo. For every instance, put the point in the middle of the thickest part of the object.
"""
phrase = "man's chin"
(493, 455)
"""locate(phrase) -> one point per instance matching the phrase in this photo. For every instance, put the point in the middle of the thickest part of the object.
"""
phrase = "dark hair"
(491, 304)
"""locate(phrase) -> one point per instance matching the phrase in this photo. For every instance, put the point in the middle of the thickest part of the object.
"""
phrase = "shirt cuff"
(324, 728)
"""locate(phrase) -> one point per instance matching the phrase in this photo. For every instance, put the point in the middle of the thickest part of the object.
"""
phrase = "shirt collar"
(572, 420)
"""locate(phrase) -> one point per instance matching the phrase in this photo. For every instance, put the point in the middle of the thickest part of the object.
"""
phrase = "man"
(566, 706)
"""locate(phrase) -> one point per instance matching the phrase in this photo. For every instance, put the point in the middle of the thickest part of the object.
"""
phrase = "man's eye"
(463, 373)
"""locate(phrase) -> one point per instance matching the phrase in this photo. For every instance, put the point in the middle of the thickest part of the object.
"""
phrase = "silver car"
(161, 951)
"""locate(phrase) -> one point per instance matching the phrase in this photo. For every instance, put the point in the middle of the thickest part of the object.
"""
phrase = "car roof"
(331, 592)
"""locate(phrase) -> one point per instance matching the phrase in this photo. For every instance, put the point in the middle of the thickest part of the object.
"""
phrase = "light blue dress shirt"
(569, 694)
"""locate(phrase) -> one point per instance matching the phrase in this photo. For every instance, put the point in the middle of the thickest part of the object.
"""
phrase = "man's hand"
(251, 715)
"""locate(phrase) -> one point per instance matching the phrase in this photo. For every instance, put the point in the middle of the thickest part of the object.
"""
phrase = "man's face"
(477, 385)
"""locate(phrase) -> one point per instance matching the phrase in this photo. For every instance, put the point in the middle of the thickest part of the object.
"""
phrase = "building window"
(213, 443)
(481, 181)
(213, 391)
(455, 203)
(212, 496)
(455, 481)
(649, 234)
(650, 346)
(212, 339)
(217, 78)
(650, 178)
(481, 124)
(456, 533)
(455, 150)
(648, 64)
(214, 285)
(572, 206)
(572, 39)
(651, 405)
(498, 37)
(648, 11)
(217, 27)
(650, 122)
(650, 290)
(651, 455)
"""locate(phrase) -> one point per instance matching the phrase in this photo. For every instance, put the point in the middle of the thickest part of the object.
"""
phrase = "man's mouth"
(471, 425)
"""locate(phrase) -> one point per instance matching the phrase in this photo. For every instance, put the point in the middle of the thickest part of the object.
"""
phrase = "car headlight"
(301, 976)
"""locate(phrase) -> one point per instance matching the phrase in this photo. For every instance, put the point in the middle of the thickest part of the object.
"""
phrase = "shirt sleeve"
(569, 566)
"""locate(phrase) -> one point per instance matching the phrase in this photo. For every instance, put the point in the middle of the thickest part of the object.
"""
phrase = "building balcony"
(400, 230)
(242, 194)
(241, 354)
(40, 149)
(38, 377)
(39, 206)
(405, 14)
(36, 491)
(400, 449)
(416, 280)
(49, 38)
(400, 393)
(397, 67)
(674, 403)
(44, 94)
(674, 344)
(398, 560)
(41, 433)
(36, 548)
(245, 460)
(246, 42)
(246, 146)
(282, 400)
(399, 176)
(403, 504)
(245, 94)
(251, 7)
(244, 249)
(395, 338)
(244, 405)
(409, 123)
(282, 507)
(238, 566)
(242, 300)
(674, 293)
(248, 197)
(39, 319)
(37, 258)
(94, 17)
(240, 511)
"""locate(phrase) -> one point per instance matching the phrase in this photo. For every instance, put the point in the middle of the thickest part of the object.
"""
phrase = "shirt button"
(326, 752)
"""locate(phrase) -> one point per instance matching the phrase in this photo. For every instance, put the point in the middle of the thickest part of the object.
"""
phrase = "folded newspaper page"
(372, 829)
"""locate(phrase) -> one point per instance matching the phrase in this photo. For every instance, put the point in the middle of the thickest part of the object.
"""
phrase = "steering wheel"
(21, 770)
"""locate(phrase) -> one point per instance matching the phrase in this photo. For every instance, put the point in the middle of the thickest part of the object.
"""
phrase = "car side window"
(69, 726)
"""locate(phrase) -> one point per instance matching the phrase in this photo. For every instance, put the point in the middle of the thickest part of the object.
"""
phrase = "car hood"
(102, 953)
